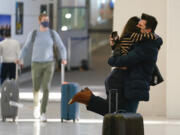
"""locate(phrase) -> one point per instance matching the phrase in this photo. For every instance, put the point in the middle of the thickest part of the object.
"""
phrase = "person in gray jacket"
(43, 61)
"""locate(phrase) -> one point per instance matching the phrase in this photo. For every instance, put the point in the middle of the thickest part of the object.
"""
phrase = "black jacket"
(140, 62)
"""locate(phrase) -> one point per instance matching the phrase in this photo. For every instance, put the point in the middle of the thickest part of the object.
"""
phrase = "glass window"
(72, 18)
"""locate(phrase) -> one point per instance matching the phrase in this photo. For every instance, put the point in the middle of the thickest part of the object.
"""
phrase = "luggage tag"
(15, 104)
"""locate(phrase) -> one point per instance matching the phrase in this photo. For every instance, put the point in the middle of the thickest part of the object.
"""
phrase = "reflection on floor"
(83, 127)
(89, 123)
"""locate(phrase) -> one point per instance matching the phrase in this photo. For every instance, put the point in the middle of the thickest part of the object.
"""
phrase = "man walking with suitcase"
(140, 62)
(42, 42)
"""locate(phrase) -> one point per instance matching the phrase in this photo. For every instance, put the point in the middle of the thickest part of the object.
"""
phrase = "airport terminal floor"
(89, 123)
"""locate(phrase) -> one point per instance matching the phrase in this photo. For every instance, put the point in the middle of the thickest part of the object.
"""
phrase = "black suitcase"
(122, 123)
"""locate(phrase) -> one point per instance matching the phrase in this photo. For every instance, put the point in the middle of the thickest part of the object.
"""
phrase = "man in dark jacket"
(135, 81)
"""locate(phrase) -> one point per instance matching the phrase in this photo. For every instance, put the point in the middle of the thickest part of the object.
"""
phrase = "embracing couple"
(134, 57)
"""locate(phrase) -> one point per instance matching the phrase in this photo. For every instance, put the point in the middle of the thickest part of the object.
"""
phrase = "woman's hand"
(111, 41)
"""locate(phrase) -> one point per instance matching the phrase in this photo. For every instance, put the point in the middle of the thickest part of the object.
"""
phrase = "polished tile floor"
(84, 128)
(89, 123)
(50, 128)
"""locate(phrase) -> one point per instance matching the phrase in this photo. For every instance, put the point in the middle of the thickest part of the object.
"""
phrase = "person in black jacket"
(140, 63)
(121, 46)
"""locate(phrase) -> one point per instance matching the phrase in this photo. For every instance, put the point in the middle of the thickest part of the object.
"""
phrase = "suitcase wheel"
(62, 120)
(77, 119)
(14, 119)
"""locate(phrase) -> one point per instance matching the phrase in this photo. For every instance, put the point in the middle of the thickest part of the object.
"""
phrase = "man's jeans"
(42, 74)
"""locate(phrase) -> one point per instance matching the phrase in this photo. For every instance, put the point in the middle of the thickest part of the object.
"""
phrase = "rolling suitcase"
(122, 123)
(68, 90)
(9, 96)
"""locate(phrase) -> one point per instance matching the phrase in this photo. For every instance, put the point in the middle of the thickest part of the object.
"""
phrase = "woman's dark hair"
(130, 26)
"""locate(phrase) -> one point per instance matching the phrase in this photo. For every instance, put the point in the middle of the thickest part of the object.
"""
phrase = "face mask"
(45, 24)
(138, 30)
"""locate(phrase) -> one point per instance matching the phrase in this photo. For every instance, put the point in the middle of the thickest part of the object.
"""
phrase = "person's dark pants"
(101, 106)
(113, 81)
(8, 71)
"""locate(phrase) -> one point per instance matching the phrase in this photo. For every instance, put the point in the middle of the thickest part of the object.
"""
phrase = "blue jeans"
(131, 106)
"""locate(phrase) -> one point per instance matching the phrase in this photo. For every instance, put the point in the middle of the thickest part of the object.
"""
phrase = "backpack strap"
(34, 33)
(52, 36)
(55, 48)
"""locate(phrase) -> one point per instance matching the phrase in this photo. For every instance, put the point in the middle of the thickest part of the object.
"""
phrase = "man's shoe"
(82, 97)
(43, 117)
(37, 112)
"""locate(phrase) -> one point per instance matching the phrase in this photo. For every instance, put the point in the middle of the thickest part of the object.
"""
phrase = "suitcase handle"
(110, 94)
(62, 73)
(18, 72)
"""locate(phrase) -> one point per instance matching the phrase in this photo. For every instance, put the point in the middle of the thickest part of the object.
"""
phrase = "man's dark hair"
(151, 21)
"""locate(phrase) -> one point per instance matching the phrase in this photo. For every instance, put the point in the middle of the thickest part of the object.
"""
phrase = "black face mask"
(138, 30)
(45, 24)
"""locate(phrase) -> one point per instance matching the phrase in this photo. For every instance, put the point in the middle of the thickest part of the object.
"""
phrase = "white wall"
(173, 62)
(124, 9)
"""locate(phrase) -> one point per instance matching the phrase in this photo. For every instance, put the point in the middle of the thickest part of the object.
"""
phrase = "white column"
(173, 59)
